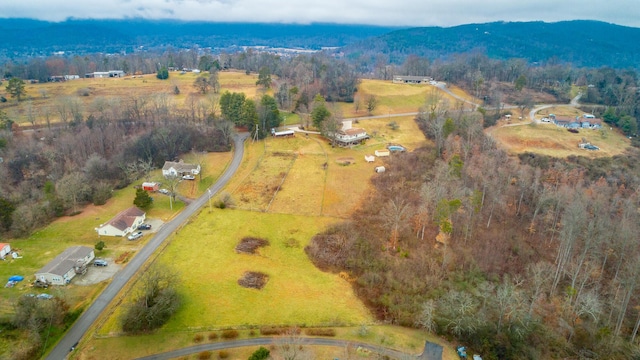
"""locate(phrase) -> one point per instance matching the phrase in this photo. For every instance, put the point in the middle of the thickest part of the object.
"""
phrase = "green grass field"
(46, 243)
(296, 292)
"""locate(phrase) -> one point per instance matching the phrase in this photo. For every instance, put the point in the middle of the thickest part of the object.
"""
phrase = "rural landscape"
(365, 200)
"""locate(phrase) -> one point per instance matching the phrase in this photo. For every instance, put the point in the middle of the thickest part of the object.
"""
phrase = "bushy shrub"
(230, 334)
(198, 338)
(213, 336)
(260, 354)
(204, 355)
(223, 354)
(321, 332)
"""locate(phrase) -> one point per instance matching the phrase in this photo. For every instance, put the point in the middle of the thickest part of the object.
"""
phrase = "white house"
(172, 168)
(122, 224)
(64, 267)
(5, 249)
(348, 135)
(405, 79)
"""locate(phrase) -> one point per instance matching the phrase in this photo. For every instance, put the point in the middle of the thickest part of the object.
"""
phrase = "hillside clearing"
(548, 139)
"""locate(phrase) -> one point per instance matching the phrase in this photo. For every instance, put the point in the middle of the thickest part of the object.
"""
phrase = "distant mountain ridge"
(580, 42)
(31, 37)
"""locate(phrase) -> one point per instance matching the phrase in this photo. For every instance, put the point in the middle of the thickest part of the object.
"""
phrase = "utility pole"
(209, 190)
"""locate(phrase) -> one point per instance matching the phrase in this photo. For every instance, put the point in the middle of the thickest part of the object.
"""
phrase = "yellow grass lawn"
(320, 180)
(296, 293)
(392, 98)
(548, 139)
(560, 111)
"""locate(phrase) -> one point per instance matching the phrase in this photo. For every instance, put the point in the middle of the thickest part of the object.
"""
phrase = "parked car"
(100, 262)
(135, 236)
(164, 191)
(44, 296)
(188, 177)
(591, 147)
(545, 119)
(144, 227)
(575, 131)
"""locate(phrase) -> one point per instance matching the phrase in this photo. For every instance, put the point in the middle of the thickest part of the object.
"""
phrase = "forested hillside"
(24, 37)
(580, 43)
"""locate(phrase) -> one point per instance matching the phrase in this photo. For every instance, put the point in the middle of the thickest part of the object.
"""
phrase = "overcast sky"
(375, 12)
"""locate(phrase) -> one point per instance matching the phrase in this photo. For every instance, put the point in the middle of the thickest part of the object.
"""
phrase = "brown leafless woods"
(529, 257)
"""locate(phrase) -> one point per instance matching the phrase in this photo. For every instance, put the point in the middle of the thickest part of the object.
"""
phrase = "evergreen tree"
(15, 87)
(142, 200)
(163, 73)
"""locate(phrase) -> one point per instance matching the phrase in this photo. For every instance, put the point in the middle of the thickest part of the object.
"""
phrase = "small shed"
(150, 186)
(5, 249)
(382, 153)
(369, 158)
(380, 169)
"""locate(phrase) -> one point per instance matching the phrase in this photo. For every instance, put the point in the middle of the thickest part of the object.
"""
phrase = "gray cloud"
(379, 12)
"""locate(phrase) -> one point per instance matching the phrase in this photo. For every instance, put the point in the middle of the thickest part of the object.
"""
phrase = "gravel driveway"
(96, 274)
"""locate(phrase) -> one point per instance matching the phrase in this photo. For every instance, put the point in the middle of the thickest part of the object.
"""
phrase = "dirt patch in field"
(345, 160)
(250, 245)
(523, 144)
(253, 280)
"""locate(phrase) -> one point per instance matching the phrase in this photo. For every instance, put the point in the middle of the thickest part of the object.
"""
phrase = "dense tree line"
(53, 171)
(518, 258)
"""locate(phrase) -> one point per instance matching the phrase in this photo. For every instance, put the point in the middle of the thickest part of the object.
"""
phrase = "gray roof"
(179, 166)
(412, 78)
(66, 260)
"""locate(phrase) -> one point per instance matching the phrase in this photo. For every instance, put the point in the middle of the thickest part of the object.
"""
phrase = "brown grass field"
(286, 190)
(126, 87)
(548, 139)
(394, 98)
(305, 175)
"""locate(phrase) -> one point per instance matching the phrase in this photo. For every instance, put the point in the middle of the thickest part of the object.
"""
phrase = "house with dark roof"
(66, 266)
(180, 168)
(124, 223)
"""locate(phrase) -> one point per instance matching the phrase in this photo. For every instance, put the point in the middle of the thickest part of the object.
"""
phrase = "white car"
(135, 236)
(544, 119)
(164, 191)
(188, 177)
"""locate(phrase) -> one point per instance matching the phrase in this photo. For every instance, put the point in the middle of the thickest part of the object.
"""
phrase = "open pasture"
(47, 98)
(548, 139)
(393, 98)
(209, 268)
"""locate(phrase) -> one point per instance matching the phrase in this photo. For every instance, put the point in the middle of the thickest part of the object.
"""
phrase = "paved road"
(268, 341)
(79, 328)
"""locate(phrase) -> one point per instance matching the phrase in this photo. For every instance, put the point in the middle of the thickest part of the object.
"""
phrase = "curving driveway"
(80, 327)
(268, 341)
